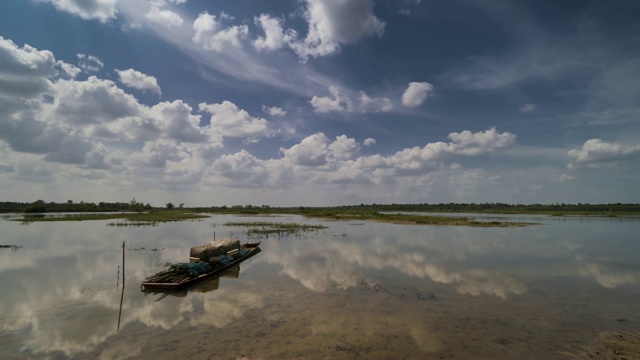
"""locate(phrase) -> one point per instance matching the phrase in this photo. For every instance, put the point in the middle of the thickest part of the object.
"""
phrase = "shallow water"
(567, 288)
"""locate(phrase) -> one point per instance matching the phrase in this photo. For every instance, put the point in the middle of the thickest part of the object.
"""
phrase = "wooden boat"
(164, 280)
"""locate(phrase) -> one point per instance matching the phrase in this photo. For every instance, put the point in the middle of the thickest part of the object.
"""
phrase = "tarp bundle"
(214, 248)
(192, 269)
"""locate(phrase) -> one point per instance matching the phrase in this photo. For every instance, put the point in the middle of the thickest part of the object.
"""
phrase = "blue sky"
(319, 102)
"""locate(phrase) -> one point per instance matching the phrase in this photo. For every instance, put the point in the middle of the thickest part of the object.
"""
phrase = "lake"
(566, 288)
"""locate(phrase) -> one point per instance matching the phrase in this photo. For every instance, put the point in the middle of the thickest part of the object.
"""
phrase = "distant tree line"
(501, 207)
(41, 206)
(440, 207)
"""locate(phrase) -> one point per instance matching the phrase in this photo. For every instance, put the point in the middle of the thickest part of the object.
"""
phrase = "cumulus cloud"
(175, 119)
(469, 143)
(89, 63)
(274, 110)
(311, 151)
(138, 80)
(101, 10)
(343, 147)
(212, 35)
(338, 102)
(416, 93)
(94, 101)
(69, 70)
(93, 124)
(379, 104)
(229, 120)
(275, 37)
(596, 153)
(164, 16)
(336, 22)
(417, 159)
(25, 71)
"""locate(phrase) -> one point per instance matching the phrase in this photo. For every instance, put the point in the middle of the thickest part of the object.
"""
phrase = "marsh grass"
(154, 218)
(131, 219)
(409, 219)
(264, 228)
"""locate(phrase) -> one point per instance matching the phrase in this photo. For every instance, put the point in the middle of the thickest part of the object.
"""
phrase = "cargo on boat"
(204, 261)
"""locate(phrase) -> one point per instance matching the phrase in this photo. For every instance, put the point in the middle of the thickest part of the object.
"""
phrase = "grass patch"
(264, 228)
(409, 219)
(131, 219)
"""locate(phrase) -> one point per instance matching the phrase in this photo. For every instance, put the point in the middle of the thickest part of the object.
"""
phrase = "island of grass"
(276, 228)
(413, 219)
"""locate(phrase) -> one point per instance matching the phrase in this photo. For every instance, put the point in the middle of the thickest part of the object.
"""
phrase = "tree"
(170, 206)
(135, 205)
(36, 207)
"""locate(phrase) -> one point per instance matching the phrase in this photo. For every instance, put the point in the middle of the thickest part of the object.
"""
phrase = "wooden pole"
(122, 295)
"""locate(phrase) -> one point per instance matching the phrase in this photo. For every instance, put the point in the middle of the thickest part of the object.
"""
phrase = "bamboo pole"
(122, 295)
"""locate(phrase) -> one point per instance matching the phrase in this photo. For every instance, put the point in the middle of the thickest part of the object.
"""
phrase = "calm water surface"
(567, 288)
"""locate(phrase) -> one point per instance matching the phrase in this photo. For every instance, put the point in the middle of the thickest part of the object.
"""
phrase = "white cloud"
(336, 22)
(343, 147)
(311, 151)
(25, 71)
(369, 142)
(97, 157)
(70, 70)
(101, 10)
(528, 107)
(229, 120)
(275, 37)
(274, 110)
(379, 104)
(339, 102)
(138, 80)
(596, 153)
(211, 35)
(177, 122)
(89, 63)
(416, 93)
(241, 165)
(415, 160)
(164, 16)
(469, 143)
(94, 101)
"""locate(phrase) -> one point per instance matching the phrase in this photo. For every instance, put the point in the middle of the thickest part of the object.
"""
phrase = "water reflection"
(322, 265)
(63, 298)
(203, 286)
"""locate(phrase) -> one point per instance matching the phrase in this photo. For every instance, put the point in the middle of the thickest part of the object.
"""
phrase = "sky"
(320, 102)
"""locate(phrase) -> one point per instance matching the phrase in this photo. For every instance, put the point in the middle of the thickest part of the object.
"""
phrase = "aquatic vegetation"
(413, 219)
(264, 228)
(130, 219)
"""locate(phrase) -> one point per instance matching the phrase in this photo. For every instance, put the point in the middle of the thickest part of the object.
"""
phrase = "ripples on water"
(565, 288)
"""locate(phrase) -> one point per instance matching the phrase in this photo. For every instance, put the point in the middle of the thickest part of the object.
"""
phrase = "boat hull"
(253, 248)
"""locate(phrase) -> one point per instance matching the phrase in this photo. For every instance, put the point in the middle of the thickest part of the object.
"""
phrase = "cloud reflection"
(69, 305)
(605, 273)
(320, 266)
